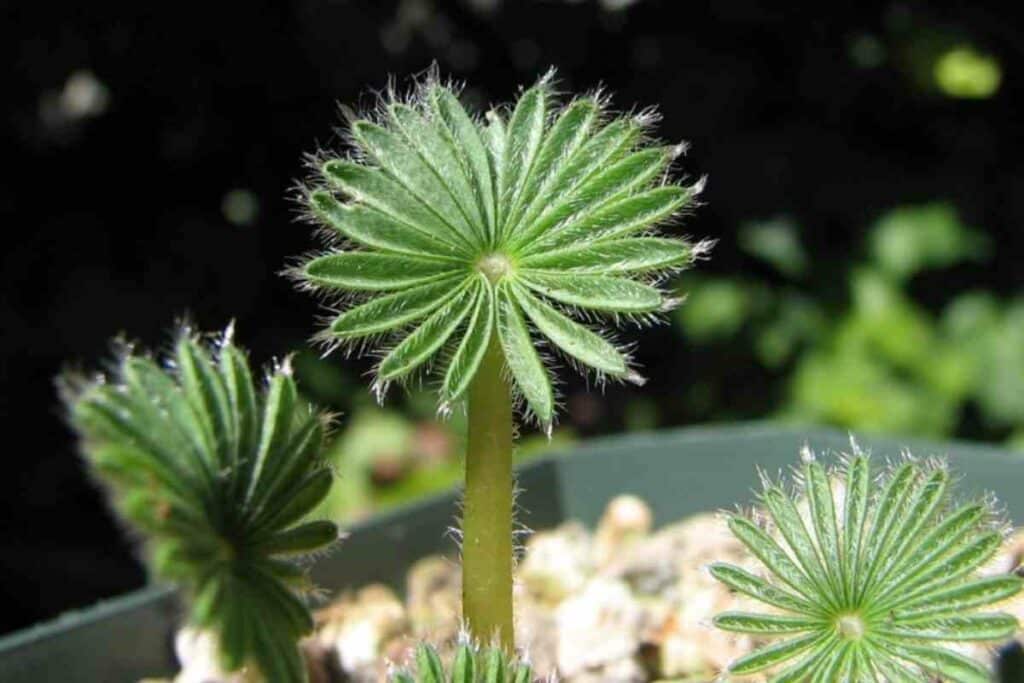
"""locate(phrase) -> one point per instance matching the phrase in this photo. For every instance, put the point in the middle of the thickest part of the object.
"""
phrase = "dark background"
(119, 215)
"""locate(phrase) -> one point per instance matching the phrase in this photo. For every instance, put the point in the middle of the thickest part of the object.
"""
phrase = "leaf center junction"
(851, 626)
(494, 266)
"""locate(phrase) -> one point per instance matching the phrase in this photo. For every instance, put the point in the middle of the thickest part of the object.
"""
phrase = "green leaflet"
(809, 668)
(234, 367)
(629, 255)
(216, 474)
(111, 418)
(769, 656)
(372, 228)
(561, 142)
(470, 352)
(299, 540)
(890, 507)
(857, 482)
(470, 665)
(764, 624)
(823, 519)
(577, 341)
(405, 164)
(936, 660)
(284, 605)
(465, 138)
(578, 181)
(787, 518)
(958, 599)
(437, 150)
(988, 627)
(140, 414)
(428, 664)
(744, 582)
(766, 550)
(595, 292)
(495, 141)
(301, 499)
(954, 567)
(277, 420)
(949, 535)
(494, 666)
(283, 471)
(387, 313)
(207, 395)
(525, 132)
(837, 664)
(361, 271)
(618, 219)
(522, 360)
(891, 669)
(375, 189)
(426, 339)
(920, 510)
(613, 184)
(152, 395)
(462, 666)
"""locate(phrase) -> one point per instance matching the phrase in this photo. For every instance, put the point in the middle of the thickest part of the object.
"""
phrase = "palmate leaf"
(218, 475)
(533, 223)
(865, 593)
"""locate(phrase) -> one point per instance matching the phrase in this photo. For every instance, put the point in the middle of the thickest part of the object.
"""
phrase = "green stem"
(487, 507)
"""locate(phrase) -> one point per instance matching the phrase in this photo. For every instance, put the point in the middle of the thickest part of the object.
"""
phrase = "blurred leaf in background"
(716, 308)
(911, 239)
(878, 359)
(777, 242)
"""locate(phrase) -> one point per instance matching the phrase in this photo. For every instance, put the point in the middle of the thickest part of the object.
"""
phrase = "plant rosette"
(465, 249)
(871, 576)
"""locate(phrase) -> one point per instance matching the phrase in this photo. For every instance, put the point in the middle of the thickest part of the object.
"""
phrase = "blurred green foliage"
(880, 360)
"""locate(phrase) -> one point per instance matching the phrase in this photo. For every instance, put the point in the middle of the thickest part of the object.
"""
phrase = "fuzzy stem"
(487, 507)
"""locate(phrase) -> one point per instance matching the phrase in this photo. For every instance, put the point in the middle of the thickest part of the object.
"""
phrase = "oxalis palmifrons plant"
(460, 245)
(217, 474)
(871, 576)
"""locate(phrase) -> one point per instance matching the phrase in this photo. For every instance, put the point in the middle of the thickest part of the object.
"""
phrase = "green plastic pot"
(678, 472)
